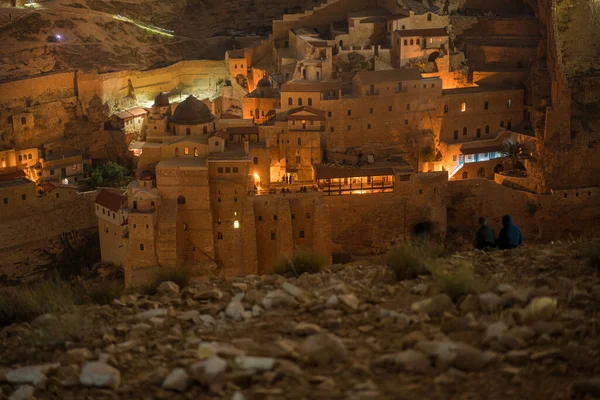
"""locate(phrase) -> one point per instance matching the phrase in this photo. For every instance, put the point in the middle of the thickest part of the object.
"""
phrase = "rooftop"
(15, 182)
(182, 162)
(132, 112)
(393, 75)
(384, 168)
(480, 89)
(114, 200)
(238, 53)
(57, 154)
(311, 86)
(434, 32)
(231, 153)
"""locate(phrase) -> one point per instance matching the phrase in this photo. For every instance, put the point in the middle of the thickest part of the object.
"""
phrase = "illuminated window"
(196, 152)
(236, 224)
(3, 163)
(509, 103)
(186, 151)
(463, 107)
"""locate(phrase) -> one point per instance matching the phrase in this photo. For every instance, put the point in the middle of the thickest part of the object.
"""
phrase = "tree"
(511, 152)
(110, 174)
(427, 154)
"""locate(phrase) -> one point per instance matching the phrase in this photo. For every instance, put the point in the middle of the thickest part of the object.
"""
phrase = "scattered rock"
(210, 294)
(409, 361)
(517, 357)
(145, 315)
(24, 392)
(420, 289)
(435, 306)
(350, 301)
(33, 374)
(305, 329)
(78, 356)
(255, 363)
(489, 302)
(323, 348)
(278, 298)
(168, 289)
(494, 331)
(100, 374)
(235, 310)
(209, 370)
(541, 308)
(441, 354)
(469, 358)
(294, 291)
(177, 380)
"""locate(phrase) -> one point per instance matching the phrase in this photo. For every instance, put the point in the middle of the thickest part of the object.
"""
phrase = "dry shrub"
(458, 282)
(104, 292)
(58, 330)
(302, 261)
(411, 259)
(27, 302)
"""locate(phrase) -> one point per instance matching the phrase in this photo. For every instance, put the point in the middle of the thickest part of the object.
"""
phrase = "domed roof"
(146, 175)
(162, 100)
(192, 112)
(264, 82)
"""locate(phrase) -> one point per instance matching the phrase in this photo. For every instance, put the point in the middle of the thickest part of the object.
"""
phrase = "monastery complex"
(350, 125)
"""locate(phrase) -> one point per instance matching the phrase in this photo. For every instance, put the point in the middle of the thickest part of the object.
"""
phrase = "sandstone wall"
(542, 218)
(46, 217)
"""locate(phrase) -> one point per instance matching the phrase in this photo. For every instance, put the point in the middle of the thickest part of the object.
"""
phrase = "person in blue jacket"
(510, 236)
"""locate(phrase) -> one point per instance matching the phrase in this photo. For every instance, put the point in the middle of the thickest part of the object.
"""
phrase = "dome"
(146, 175)
(264, 82)
(162, 100)
(192, 112)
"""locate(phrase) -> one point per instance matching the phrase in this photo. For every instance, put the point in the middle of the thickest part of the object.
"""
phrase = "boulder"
(409, 361)
(207, 371)
(323, 348)
(168, 289)
(177, 380)
(434, 306)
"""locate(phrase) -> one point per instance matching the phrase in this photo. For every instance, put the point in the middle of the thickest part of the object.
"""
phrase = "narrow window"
(301, 235)
(331, 129)
(220, 170)
(486, 105)
(299, 101)
(445, 108)
(307, 215)
(478, 132)
(196, 153)
(6, 200)
(408, 106)
(142, 246)
(299, 141)
(349, 127)
(463, 107)
(176, 151)
(235, 170)
(186, 151)
(255, 160)
(368, 126)
(389, 108)
(227, 170)
(405, 42)
(23, 121)
(429, 17)
(188, 131)
(20, 158)
(275, 217)
(219, 235)
(289, 101)
(464, 131)
(24, 197)
(371, 111)
(412, 42)
(501, 124)
(310, 101)
(487, 129)
(509, 103)
(455, 135)
(418, 41)
(204, 130)
(329, 114)
(349, 112)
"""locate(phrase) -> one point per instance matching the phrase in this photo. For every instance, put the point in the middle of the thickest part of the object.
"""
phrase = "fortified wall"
(35, 219)
(542, 218)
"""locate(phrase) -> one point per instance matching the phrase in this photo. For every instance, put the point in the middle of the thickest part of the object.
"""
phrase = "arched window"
(188, 131)
(142, 246)
(412, 42)
(205, 130)
(486, 105)
(299, 141)
(257, 112)
(403, 26)
(509, 125)
(464, 130)
(481, 172)
(310, 101)
(487, 129)
(501, 124)
(20, 158)
(318, 76)
(176, 151)
(186, 151)
(429, 17)
(418, 41)
(299, 101)
(23, 121)
(290, 101)
(181, 200)
(135, 205)
(30, 157)
(251, 113)
(405, 42)
(465, 175)
(196, 154)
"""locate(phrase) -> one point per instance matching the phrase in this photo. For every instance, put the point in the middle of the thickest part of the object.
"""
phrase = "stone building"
(258, 103)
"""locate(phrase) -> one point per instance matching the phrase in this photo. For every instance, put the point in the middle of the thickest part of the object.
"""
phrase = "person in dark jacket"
(510, 236)
(485, 238)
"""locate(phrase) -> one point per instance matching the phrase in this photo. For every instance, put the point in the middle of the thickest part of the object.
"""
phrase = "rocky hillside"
(528, 329)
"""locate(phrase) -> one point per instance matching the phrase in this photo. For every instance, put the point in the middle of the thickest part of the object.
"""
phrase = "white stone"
(332, 301)
(168, 288)
(436, 305)
(494, 331)
(294, 291)
(100, 375)
(255, 363)
(238, 396)
(33, 374)
(489, 302)
(208, 370)
(278, 298)
(177, 380)
(350, 301)
(207, 319)
(420, 289)
(256, 310)
(235, 310)
(323, 348)
(305, 329)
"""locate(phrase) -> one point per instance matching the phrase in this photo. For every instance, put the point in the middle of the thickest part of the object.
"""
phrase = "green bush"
(27, 302)
(302, 261)
(411, 259)
(179, 275)
(459, 282)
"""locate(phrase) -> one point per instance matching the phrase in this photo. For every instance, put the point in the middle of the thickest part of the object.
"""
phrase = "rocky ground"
(350, 332)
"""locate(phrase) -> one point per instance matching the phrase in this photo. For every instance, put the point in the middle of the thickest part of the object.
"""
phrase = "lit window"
(3, 163)
(463, 107)
(236, 224)
(186, 151)
(509, 103)
(196, 152)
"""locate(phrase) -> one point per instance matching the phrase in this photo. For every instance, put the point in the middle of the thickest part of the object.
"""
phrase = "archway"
(498, 168)
(465, 175)
(181, 200)
(481, 172)
(433, 56)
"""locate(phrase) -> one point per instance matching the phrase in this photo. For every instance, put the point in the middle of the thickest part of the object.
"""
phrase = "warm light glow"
(236, 224)
(256, 179)
(463, 107)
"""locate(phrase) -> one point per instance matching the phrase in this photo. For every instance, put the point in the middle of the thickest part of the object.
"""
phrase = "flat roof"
(392, 75)
(231, 153)
(182, 162)
(311, 87)
(431, 32)
(16, 182)
(480, 89)
(329, 171)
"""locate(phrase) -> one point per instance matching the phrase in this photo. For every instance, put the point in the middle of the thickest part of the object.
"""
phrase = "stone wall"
(542, 218)
(44, 218)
